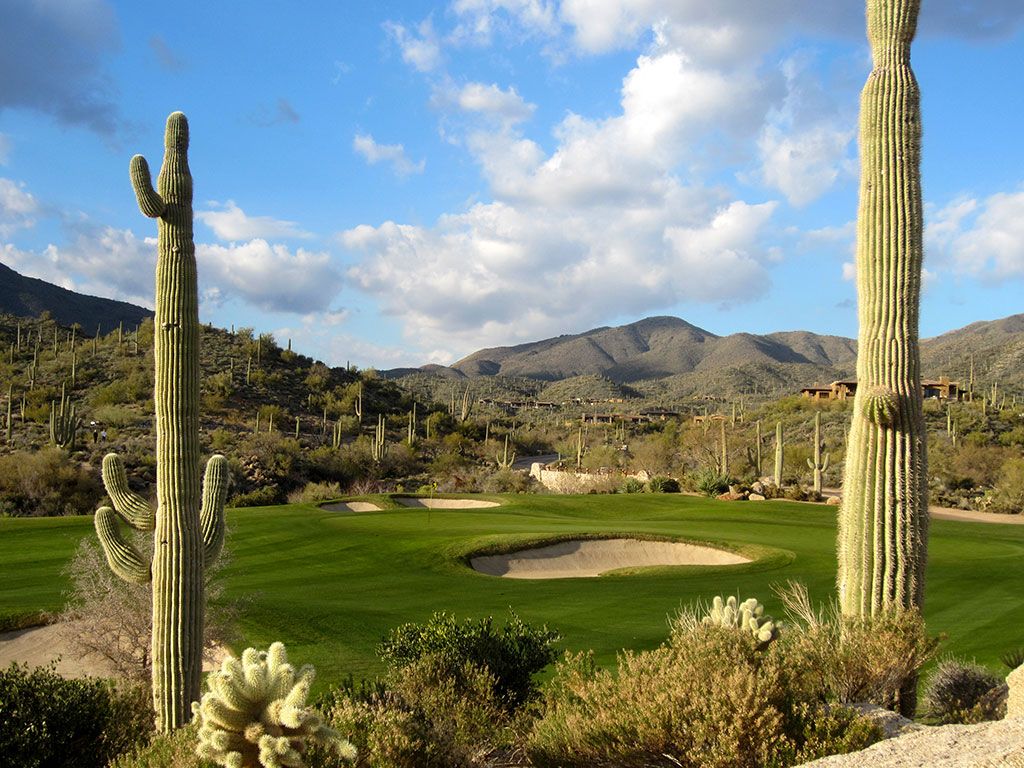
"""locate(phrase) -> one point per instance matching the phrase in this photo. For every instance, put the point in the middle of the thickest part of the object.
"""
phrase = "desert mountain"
(686, 359)
(655, 348)
(22, 296)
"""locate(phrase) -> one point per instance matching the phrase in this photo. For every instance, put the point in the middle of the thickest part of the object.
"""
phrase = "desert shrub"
(165, 750)
(632, 485)
(48, 721)
(112, 619)
(710, 482)
(513, 654)
(115, 416)
(429, 714)
(852, 659)
(1008, 495)
(663, 484)
(794, 492)
(260, 497)
(46, 482)
(311, 493)
(958, 692)
(509, 481)
(710, 699)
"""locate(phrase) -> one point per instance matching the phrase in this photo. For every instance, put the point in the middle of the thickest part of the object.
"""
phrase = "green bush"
(632, 485)
(165, 750)
(663, 484)
(710, 482)
(261, 497)
(48, 721)
(513, 654)
(312, 493)
(958, 692)
(428, 714)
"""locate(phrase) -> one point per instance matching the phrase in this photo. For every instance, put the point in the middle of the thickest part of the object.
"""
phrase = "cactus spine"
(189, 517)
(819, 465)
(883, 525)
(779, 446)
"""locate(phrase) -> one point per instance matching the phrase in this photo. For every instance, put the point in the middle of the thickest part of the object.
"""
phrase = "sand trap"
(592, 557)
(351, 506)
(38, 646)
(406, 501)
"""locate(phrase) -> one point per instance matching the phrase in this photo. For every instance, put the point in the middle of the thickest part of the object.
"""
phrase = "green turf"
(331, 584)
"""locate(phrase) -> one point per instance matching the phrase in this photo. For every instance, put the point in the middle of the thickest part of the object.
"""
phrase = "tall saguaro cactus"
(188, 520)
(883, 525)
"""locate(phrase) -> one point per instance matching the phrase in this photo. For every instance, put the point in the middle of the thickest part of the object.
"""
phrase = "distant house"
(941, 389)
(837, 390)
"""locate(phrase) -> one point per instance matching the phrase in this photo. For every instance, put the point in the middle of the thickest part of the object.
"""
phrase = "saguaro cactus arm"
(135, 510)
(211, 516)
(150, 202)
(124, 559)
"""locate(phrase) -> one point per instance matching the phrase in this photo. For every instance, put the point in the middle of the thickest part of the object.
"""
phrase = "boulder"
(755, 497)
(1015, 697)
(833, 501)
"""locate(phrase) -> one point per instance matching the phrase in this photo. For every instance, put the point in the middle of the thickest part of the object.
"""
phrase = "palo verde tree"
(187, 536)
(883, 525)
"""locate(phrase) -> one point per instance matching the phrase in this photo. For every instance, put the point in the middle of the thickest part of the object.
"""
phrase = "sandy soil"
(38, 646)
(574, 559)
(406, 501)
(351, 506)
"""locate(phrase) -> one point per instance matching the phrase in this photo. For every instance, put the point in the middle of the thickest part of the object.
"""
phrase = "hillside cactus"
(747, 616)
(506, 459)
(189, 518)
(883, 523)
(779, 454)
(255, 714)
(820, 464)
(64, 422)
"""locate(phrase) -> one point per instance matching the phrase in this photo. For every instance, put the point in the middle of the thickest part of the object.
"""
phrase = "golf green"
(331, 584)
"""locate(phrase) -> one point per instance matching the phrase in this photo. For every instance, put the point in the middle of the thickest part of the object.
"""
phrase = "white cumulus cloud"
(392, 154)
(270, 276)
(18, 208)
(490, 100)
(231, 223)
(984, 239)
(420, 47)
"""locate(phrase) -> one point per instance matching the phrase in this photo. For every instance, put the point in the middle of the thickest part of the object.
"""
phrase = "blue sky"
(395, 183)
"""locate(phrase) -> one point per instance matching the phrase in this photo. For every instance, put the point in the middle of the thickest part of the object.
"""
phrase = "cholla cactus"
(747, 616)
(255, 714)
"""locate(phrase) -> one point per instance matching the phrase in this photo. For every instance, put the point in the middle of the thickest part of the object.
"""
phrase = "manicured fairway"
(331, 584)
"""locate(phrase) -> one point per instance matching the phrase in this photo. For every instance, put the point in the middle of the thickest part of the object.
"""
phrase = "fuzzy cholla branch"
(255, 714)
(746, 616)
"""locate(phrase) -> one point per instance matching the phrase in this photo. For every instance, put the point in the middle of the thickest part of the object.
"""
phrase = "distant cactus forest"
(293, 428)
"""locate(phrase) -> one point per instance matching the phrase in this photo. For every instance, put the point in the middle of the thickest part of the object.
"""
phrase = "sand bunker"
(592, 557)
(351, 506)
(38, 646)
(406, 501)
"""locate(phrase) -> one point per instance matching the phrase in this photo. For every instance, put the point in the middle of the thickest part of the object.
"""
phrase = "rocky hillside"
(27, 297)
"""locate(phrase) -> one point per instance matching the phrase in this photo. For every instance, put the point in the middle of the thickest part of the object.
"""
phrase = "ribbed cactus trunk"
(177, 556)
(883, 525)
(186, 536)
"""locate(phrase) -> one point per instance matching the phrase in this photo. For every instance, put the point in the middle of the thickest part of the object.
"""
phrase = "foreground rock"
(989, 745)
